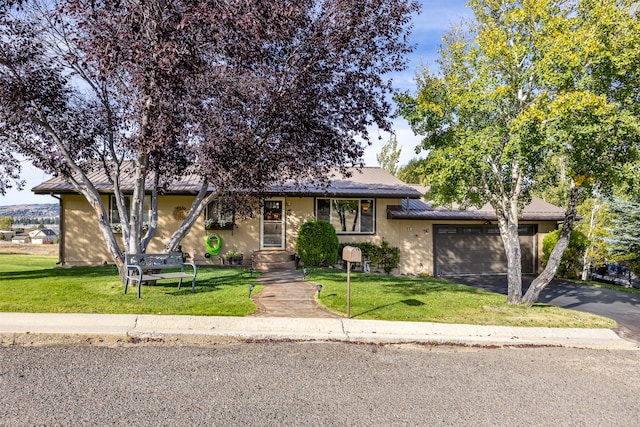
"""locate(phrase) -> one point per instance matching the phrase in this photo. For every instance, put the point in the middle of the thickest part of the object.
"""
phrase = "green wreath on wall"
(214, 242)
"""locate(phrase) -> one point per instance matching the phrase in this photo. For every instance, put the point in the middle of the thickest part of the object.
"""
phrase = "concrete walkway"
(287, 294)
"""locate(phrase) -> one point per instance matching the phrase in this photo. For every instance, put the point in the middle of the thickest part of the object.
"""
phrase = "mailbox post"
(350, 254)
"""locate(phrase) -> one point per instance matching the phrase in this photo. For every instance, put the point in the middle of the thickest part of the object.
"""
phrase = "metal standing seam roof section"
(537, 210)
(364, 182)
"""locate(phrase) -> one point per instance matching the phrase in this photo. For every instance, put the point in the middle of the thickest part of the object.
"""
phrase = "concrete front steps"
(270, 260)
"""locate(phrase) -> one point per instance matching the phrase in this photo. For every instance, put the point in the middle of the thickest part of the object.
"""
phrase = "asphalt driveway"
(623, 307)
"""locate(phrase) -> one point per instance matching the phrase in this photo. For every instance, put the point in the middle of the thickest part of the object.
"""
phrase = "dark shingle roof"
(537, 210)
(363, 182)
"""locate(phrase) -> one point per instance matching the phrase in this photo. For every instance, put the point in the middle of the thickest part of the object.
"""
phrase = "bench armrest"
(193, 266)
(134, 267)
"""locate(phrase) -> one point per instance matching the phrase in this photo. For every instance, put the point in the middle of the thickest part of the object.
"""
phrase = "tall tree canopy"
(410, 173)
(529, 82)
(389, 155)
(242, 93)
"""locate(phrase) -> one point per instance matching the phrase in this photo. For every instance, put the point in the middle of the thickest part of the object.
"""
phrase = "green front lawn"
(34, 284)
(433, 300)
(30, 283)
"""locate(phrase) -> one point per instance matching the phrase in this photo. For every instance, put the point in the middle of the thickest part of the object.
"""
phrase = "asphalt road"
(287, 384)
(623, 307)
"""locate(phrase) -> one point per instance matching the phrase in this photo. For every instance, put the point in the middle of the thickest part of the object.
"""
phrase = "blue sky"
(436, 18)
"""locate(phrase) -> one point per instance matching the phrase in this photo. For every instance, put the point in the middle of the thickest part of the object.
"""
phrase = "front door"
(272, 224)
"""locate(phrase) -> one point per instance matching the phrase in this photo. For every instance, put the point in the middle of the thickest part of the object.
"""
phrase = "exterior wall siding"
(83, 243)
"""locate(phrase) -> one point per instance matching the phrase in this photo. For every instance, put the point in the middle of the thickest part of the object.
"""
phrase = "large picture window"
(218, 216)
(348, 216)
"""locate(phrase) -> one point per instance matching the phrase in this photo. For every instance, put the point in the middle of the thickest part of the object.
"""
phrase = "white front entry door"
(272, 224)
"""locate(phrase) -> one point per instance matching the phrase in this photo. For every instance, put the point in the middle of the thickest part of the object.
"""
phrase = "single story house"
(370, 206)
(42, 236)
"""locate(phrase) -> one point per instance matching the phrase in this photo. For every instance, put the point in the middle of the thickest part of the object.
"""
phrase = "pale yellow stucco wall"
(84, 244)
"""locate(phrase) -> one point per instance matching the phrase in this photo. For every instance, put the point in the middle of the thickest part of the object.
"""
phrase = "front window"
(218, 215)
(348, 216)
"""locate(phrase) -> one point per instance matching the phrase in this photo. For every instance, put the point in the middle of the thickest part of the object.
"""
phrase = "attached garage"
(478, 249)
(467, 241)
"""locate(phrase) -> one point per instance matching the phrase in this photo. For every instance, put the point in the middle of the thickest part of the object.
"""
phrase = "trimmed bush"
(317, 243)
(571, 264)
(384, 256)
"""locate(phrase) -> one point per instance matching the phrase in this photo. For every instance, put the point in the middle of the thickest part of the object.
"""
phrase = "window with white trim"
(348, 216)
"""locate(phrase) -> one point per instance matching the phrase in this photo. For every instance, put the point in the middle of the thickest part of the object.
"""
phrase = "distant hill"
(44, 213)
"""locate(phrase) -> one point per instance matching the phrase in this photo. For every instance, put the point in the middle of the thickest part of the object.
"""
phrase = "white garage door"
(478, 249)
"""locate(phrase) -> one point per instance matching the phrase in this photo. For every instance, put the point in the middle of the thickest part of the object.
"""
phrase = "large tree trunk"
(506, 205)
(540, 282)
(153, 221)
(137, 204)
(509, 233)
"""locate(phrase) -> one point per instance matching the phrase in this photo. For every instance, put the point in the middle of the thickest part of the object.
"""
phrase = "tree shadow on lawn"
(205, 281)
(48, 273)
(428, 286)
(238, 278)
(409, 302)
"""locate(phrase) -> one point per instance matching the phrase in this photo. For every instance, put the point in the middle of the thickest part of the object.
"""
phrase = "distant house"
(21, 239)
(42, 236)
(6, 235)
(370, 206)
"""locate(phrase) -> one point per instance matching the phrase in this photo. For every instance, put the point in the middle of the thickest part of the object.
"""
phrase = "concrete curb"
(323, 329)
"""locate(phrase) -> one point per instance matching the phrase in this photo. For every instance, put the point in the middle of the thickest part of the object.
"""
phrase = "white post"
(348, 289)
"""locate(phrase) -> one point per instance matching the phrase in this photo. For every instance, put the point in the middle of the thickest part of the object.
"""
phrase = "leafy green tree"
(317, 243)
(411, 172)
(525, 83)
(389, 155)
(552, 184)
(6, 223)
(572, 258)
(596, 218)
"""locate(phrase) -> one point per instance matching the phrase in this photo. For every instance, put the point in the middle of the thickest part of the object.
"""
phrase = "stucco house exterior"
(370, 206)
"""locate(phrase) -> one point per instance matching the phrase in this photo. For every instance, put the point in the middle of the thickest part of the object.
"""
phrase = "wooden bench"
(149, 267)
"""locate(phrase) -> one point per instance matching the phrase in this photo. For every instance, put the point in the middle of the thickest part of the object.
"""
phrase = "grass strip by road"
(30, 283)
(427, 299)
